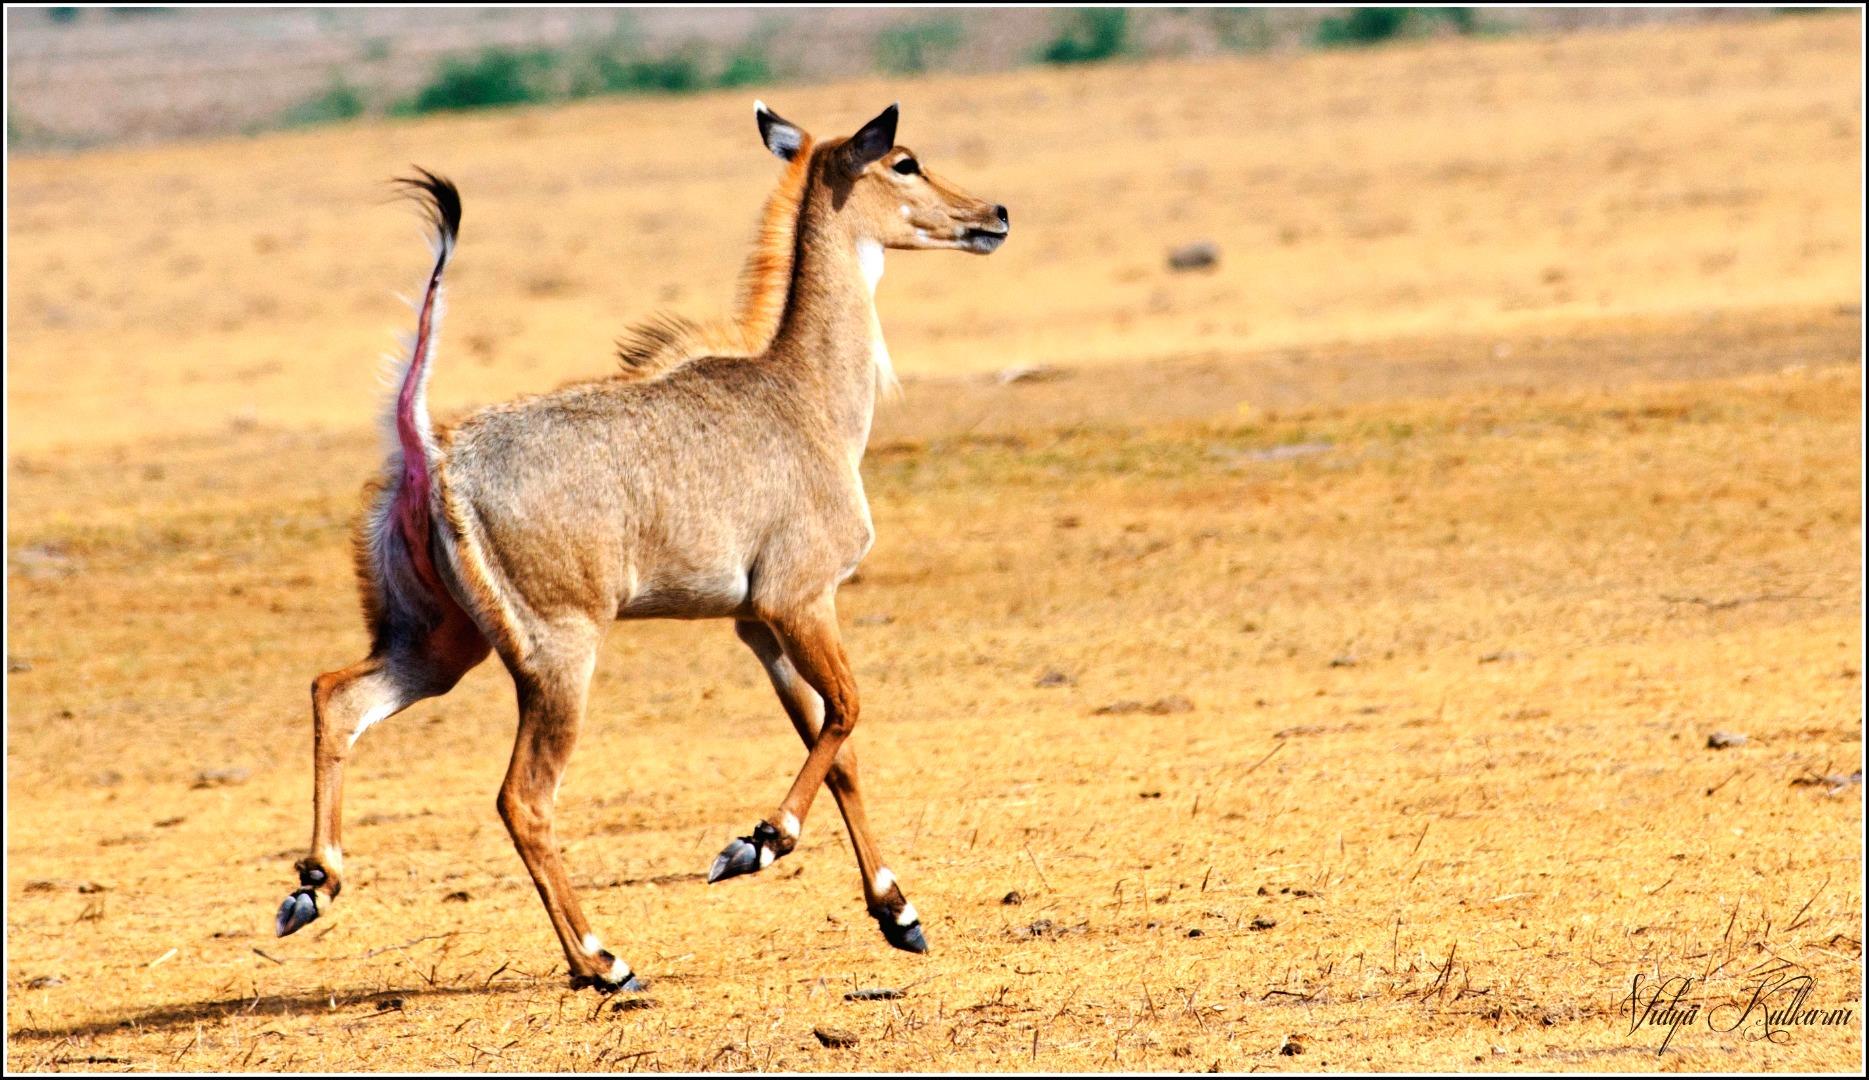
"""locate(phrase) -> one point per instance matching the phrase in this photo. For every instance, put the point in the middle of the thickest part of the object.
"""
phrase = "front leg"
(752, 853)
(808, 636)
(553, 684)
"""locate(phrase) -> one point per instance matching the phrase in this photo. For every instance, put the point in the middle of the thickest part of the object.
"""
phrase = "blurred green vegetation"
(917, 47)
(616, 65)
(497, 76)
(339, 101)
(626, 72)
(1087, 35)
(611, 54)
(619, 62)
(1373, 25)
(747, 67)
(73, 13)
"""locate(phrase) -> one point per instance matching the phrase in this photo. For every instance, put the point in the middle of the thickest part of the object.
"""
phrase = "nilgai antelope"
(715, 477)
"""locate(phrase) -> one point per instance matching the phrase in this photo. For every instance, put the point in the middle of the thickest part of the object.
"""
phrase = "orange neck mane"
(665, 342)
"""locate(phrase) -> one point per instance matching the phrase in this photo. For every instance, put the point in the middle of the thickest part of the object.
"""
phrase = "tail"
(409, 510)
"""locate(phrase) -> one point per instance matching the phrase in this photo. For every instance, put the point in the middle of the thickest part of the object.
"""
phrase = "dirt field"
(1326, 653)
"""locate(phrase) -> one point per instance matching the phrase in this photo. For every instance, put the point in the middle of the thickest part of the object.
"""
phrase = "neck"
(829, 331)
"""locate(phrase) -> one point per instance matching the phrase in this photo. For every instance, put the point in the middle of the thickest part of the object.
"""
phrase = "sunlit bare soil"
(1310, 663)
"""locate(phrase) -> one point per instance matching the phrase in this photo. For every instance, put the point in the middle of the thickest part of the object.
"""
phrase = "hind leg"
(344, 704)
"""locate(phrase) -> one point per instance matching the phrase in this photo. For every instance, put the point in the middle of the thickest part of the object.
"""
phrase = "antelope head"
(884, 192)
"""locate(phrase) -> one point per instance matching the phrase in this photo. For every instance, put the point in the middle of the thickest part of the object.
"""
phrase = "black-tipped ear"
(871, 142)
(781, 136)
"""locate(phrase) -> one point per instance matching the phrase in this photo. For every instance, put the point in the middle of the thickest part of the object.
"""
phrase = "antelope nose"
(1003, 219)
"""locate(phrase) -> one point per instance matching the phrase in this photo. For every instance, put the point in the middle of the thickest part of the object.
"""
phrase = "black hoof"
(603, 985)
(907, 938)
(746, 855)
(296, 913)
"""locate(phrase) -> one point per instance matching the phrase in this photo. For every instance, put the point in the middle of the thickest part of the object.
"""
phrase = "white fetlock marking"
(593, 944)
(907, 915)
(789, 825)
(333, 858)
(765, 857)
(619, 972)
(884, 881)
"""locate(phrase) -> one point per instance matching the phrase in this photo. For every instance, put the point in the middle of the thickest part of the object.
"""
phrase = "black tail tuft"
(440, 201)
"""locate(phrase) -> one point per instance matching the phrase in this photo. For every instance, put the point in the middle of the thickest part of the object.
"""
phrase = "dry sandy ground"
(1328, 650)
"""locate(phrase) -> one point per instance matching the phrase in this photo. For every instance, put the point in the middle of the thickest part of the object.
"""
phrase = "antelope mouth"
(983, 241)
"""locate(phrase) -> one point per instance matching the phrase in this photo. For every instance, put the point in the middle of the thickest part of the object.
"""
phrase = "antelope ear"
(871, 142)
(781, 136)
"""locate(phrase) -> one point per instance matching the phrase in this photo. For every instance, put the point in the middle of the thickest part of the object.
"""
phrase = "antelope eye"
(908, 166)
